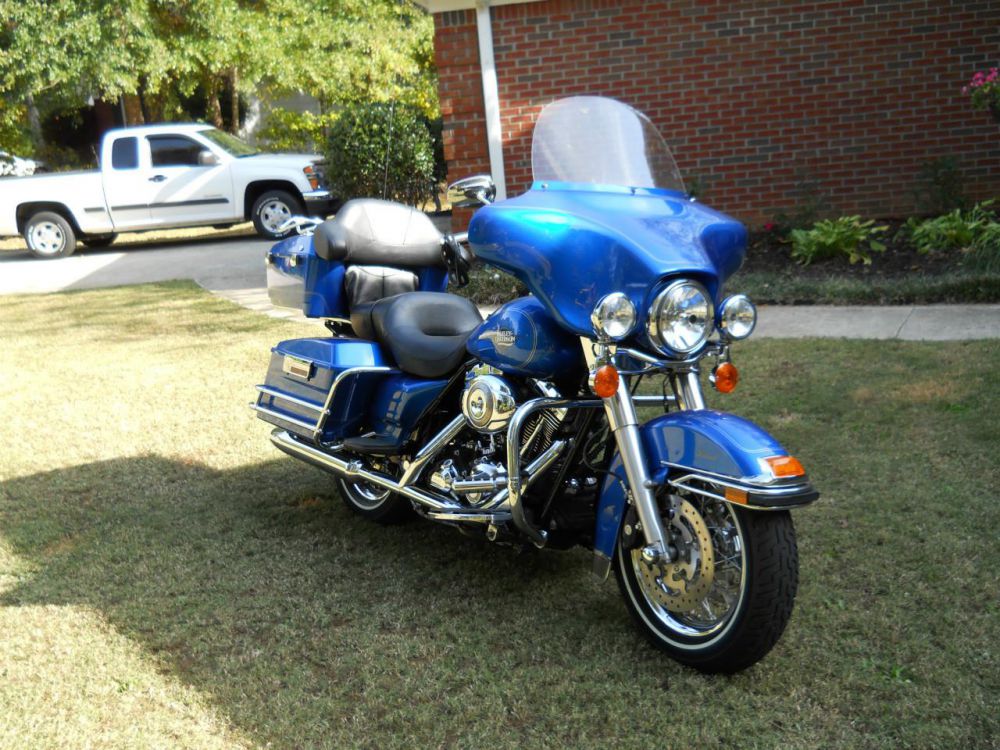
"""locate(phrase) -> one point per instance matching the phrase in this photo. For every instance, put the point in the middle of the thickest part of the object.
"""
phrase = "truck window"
(125, 153)
(173, 151)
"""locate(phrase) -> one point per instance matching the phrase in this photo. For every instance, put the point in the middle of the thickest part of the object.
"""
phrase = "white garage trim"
(491, 98)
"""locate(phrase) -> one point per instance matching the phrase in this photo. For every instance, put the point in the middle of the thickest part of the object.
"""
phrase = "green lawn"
(167, 579)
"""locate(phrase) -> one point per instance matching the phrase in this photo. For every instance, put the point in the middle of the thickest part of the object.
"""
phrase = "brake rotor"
(680, 586)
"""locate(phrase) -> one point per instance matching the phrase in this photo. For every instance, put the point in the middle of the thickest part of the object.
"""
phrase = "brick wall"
(766, 104)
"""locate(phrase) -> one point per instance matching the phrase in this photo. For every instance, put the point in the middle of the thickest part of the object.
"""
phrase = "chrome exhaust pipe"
(284, 442)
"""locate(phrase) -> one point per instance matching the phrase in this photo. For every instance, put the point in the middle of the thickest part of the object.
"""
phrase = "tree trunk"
(212, 100)
(34, 122)
(143, 104)
(234, 111)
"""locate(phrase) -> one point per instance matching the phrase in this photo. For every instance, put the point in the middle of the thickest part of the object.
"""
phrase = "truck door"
(126, 187)
(187, 191)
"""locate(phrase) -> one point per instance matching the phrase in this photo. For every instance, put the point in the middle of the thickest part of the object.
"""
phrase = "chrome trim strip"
(747, 482)
(285, 418)
(684, 484)
(469, 517)
(274, 393)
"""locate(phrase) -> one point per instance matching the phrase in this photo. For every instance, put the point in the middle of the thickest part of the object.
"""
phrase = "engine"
(476, 468)
(488, 403)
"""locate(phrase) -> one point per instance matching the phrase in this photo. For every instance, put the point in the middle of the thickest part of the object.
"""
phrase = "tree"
(56, 54)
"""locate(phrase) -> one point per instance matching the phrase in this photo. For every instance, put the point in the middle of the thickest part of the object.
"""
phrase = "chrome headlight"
(737, 317)
(613, 317)
(681, 317)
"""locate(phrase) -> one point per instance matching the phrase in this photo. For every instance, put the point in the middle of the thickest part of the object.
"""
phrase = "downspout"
(491, 96)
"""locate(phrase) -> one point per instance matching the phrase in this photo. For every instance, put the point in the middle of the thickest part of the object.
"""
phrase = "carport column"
(491, 96)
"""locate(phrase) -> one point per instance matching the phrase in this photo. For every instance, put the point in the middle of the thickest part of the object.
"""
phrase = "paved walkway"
(234, 269)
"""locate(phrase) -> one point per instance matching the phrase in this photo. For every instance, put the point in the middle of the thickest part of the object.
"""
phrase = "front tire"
(49, 235)
(271, 210)
(733, 603)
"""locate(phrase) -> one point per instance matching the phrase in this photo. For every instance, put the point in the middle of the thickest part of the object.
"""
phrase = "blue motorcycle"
(522, 428)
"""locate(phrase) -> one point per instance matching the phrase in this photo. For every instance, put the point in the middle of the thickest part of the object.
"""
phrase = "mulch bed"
(770, 252)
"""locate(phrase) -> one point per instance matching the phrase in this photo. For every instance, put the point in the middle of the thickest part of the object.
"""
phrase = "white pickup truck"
(160, 176)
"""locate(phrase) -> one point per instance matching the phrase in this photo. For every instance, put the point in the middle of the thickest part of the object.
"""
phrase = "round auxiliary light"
(737, 317)
(680, 319)
(613, 317)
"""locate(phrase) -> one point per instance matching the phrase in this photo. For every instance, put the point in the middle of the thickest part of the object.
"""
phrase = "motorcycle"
(522, 428)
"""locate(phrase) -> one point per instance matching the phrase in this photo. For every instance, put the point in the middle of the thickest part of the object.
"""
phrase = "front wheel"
(724, 602)
(49, 235)
(271, 210)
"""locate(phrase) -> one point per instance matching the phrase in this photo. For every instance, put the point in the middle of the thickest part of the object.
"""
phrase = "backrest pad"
(367, 231)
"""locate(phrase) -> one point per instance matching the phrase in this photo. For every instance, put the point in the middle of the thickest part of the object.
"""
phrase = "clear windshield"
(230, 143)
(601, 141)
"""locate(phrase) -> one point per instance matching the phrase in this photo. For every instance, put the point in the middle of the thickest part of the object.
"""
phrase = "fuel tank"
(521, 338)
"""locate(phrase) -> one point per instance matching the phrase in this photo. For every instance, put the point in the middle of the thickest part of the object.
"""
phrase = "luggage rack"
(313, 430)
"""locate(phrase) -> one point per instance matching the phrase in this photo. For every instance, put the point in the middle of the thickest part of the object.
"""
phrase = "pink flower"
(769, 227)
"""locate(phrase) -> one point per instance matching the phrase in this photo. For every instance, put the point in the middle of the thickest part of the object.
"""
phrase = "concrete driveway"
(234, 268)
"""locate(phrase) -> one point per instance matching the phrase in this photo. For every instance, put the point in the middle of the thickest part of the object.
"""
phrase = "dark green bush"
(381, 151)
(956, 230)
(846, 236)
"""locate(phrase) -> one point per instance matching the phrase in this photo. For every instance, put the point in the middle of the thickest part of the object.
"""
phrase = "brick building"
(767, 104)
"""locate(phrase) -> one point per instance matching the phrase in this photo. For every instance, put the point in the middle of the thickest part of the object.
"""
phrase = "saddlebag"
(311, 385)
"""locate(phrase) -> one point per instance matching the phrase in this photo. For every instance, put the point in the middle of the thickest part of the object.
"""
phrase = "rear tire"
(49, 235)
(273, 208)
(374, 503)
(759, 596)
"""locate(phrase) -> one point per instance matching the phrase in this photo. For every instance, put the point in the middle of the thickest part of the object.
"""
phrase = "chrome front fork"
(624, 423)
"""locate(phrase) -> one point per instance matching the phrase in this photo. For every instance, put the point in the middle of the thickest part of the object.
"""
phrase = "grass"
(167, 579)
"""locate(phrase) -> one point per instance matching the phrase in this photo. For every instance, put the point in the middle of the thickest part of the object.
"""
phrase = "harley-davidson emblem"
(501, 337)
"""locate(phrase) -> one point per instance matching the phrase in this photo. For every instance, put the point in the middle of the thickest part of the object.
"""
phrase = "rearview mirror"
(207, 159)
(477, 190)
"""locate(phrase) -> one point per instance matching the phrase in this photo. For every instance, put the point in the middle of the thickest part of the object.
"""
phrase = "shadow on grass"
(306, 625)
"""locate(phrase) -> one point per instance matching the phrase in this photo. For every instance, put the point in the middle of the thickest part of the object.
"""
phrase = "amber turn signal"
(606, 381)
(785, 466)
(725, 377)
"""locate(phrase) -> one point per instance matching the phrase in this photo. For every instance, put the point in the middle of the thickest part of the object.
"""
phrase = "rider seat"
(425, 331)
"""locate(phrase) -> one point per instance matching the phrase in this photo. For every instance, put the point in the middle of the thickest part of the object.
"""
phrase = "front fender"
(708, 453)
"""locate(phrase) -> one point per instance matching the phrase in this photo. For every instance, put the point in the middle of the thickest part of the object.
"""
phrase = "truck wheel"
(98, 240)
(271, 210)
(49, 235)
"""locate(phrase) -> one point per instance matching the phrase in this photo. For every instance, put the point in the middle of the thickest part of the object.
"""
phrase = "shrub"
(984, 90)
(956, 230)
(830, 238)
(984, 255)
(381, 151)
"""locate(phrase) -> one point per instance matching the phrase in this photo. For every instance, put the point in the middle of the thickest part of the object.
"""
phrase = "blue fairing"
(572, 244)
(521, 338)
(708, 441)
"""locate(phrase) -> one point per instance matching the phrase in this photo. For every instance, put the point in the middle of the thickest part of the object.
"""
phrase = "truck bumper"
(319, 202)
